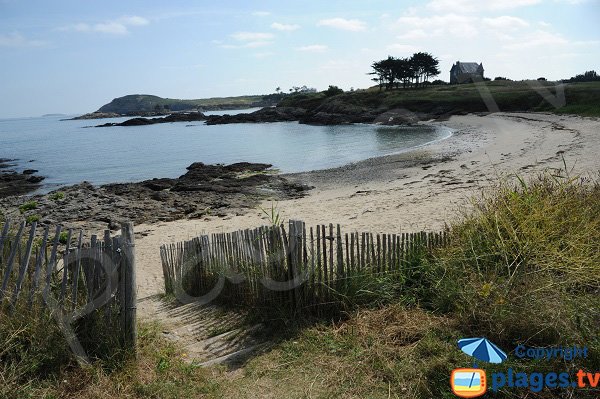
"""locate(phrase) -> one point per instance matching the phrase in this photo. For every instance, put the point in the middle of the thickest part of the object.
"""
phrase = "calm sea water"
(67, 153)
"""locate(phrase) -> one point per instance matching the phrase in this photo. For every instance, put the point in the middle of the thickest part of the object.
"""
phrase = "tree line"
(414, 71)
(588, 76)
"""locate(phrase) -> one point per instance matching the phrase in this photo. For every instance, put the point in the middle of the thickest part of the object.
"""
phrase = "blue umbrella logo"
(482, 349)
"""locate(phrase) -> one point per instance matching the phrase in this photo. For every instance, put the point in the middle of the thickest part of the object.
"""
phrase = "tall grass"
(525, 266)
(31, 348)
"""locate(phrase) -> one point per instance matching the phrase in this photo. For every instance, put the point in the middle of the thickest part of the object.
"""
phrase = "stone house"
(465, 72)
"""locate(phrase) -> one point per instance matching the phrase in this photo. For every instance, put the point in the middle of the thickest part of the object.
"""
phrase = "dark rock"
(264, 115)
(398, 116)
(158, 184)
(159, 196)
(30, 171)
(176, 117)
(13, 183)
(323, 118)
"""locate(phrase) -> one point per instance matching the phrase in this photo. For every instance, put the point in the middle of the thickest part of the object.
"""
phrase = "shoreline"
(48, 188)
(420, 190)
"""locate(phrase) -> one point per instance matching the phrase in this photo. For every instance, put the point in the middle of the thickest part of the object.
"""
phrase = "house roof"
(466, 67)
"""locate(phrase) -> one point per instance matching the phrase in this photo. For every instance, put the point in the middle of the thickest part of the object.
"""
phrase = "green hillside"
(581, 98)
(135, 103)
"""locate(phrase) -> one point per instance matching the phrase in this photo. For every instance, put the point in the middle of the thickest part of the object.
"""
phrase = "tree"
(403, 71)
(333, 91)
(384, 70)
(424, 66)
(392, 72)
(589, 76)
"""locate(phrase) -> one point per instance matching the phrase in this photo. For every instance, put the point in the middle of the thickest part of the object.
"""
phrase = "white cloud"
(313, 48)
(15, 39)
(573, 2)
(261, 13)
(478, 5)
(505, 22)
(258, 43)
(116, 27)
(251, 36)
(134, 21)
(354, 25)
(285, 27)
(440, 25)
(402, 48)
(251, 44)
(414, 34)
(537, 39)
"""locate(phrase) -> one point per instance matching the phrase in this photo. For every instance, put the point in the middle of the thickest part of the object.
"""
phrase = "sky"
(73, 56)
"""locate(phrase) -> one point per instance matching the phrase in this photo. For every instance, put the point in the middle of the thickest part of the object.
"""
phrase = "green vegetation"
(36, 363)
(581, 98)
(57, 196)
(33, 349)
(525, 265)
(63, 237)
(28, 206)
(32, 218)
(333, 91)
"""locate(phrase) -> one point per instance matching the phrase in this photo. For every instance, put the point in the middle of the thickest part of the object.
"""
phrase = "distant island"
(149, 105)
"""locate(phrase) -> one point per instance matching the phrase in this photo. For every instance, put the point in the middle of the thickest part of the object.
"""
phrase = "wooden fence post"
(130, 294)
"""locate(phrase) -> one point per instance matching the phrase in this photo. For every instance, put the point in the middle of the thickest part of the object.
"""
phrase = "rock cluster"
(178, 117)
(215, 190)
(14, 183)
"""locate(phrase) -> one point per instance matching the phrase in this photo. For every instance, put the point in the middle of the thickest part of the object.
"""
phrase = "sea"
(68, 152)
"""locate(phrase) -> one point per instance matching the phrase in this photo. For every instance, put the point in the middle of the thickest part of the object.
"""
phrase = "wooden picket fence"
(91, 284)
(299, 269)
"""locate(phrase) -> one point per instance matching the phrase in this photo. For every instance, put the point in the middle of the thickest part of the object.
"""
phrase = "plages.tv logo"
(472, 382)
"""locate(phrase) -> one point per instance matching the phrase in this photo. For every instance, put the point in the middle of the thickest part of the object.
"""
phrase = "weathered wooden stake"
(128, 268)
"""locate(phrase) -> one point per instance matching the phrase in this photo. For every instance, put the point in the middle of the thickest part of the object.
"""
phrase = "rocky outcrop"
(179, 117)
(13, 183)
(204, 190)
(270, 114)
(95, 115)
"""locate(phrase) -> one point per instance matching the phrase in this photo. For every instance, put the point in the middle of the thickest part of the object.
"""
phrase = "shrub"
(27, 206)
(333, 91)
(63, 237)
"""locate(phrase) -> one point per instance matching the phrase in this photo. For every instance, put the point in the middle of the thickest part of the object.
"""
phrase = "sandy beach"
(418, 190)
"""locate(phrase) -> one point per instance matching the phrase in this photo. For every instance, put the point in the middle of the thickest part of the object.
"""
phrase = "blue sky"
(74, 56)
